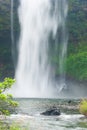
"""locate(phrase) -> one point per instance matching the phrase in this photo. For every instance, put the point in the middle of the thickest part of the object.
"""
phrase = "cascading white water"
(38, 19)
(63, 44)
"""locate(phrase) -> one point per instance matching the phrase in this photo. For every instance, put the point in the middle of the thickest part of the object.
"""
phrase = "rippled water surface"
(29, 115)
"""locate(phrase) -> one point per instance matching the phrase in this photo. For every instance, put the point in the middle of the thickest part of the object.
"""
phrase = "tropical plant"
(7, 103)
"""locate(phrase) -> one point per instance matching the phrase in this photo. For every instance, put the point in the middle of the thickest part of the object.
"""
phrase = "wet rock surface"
(52, 112)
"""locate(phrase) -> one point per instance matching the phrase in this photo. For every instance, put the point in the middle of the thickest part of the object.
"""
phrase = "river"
(29, 117)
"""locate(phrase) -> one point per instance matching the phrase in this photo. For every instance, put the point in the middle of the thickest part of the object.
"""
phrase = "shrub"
(7, 103)
(77, 66)
(83, 107)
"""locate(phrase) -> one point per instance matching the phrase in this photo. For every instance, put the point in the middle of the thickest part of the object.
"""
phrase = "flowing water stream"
(29, 117)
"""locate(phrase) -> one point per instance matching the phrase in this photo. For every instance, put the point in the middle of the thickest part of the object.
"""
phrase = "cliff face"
(5, 40)
(4, 17)
(77, 19)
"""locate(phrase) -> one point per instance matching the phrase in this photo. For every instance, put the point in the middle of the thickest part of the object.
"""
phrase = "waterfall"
(38, 20)
(63, 44)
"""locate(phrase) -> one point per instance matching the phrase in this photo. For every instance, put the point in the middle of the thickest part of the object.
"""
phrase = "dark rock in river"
(52, 112)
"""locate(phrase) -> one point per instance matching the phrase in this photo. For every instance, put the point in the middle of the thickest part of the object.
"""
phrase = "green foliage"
(83, 107)
(6, 84)
(14, 127)
(82, 124)
(77, 21)
(77, 65)
(77, 46)
(7, 104)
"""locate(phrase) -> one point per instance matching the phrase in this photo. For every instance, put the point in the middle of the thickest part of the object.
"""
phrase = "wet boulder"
(52, 112)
